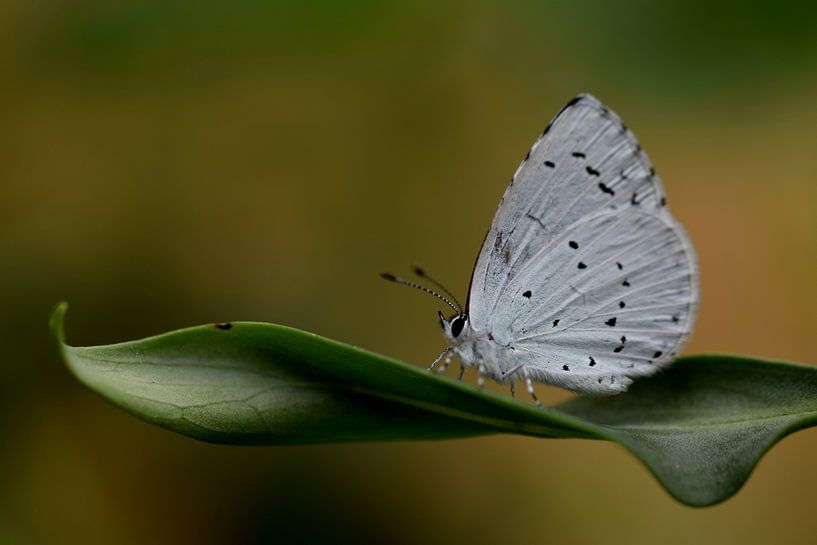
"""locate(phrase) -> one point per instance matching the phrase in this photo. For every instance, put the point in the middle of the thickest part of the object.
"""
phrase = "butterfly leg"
(462, 371)
(446, 363)
(513, 390)
(438, 358)
(481, 377)
(529, 383)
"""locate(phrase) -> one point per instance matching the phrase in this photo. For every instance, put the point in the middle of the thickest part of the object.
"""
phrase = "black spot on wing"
(626, 283)
(582, 265)
(527, 294)
(573, 244)
(592, 362)
(578, 154)
(606, 189)
(555, 322)
(621, 304)
(619, 265)
(550, 164)
(591, 171)
(611, 322)
(565, 368)
(657, 354)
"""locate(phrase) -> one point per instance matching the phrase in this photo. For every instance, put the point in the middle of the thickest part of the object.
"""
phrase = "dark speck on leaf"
(224, 326)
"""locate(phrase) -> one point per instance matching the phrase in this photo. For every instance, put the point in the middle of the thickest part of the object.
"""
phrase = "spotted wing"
(584, 274)
(610, 299)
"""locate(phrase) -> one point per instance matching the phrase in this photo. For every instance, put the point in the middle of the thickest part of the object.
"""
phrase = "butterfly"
(584, 280)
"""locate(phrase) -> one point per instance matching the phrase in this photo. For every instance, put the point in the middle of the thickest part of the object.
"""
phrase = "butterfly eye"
(456, 325)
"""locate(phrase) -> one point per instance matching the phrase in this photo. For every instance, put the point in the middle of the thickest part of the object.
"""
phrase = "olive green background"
(164, 164)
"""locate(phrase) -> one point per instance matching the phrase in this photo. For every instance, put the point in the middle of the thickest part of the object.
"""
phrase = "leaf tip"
(56, 321)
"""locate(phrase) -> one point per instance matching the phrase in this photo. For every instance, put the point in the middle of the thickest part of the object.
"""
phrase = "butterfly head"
(453, 327)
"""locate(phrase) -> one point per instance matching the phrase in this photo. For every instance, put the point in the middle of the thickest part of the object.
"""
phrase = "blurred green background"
(165, 164)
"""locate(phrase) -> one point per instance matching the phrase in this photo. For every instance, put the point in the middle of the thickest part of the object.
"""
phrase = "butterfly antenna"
(397, 279)
(422, 274)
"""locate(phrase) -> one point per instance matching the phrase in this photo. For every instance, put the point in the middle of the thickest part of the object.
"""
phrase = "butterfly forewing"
(585, 161)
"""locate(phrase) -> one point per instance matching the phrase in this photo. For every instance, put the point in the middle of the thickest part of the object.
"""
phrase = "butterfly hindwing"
(616, 304)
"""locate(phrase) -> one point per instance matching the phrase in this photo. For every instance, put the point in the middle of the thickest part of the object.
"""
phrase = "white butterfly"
(584, 280)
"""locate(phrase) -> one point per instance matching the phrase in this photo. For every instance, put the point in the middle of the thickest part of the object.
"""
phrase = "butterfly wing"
(582, 222)
(612, 298)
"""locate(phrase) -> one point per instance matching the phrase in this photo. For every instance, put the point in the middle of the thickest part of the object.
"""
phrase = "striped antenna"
(422, 274)
(398, 280)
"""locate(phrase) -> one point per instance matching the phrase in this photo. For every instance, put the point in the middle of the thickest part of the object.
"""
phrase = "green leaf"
(700, 427)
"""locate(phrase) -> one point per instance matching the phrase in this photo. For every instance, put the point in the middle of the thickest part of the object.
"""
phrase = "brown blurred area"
(165, 164)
